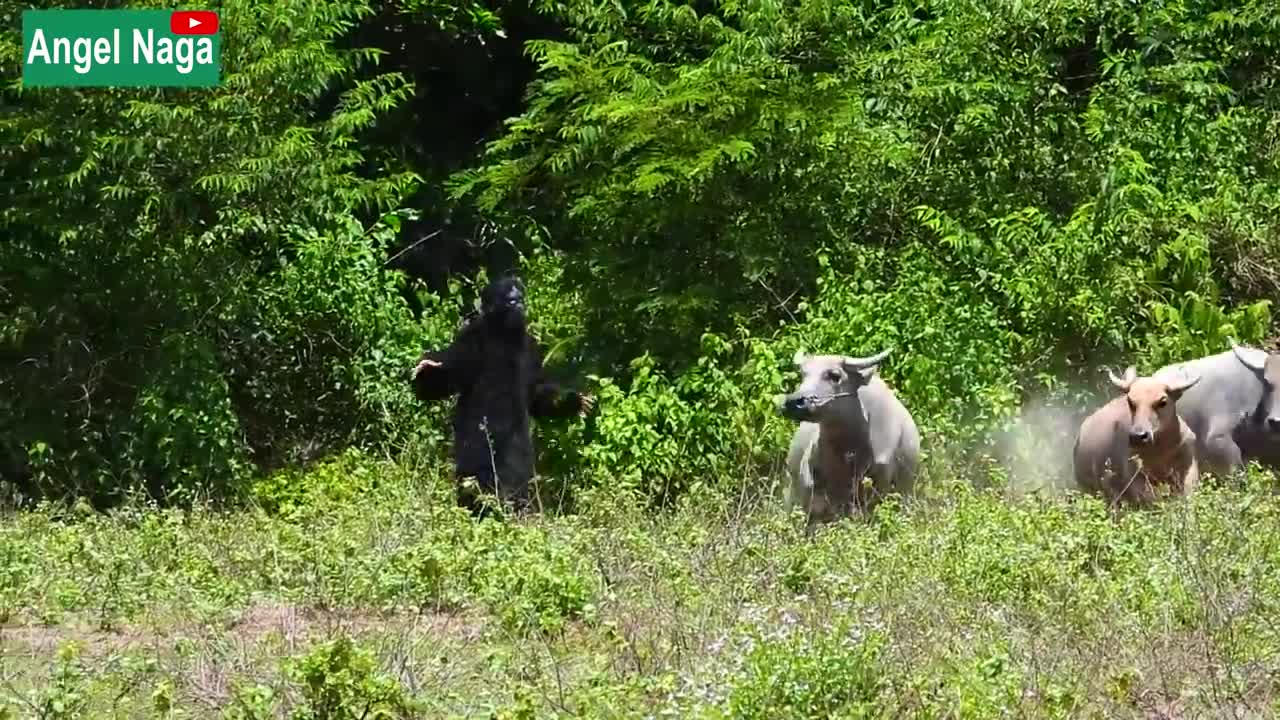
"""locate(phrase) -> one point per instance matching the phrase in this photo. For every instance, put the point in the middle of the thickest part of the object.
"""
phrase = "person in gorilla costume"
(495, 368)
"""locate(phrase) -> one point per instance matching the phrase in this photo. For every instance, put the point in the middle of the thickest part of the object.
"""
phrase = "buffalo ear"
(800, 358)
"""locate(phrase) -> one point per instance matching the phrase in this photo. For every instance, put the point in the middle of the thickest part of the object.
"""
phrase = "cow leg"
(820, 509)
(810, 515)
(1117, 478)
(859, 498)
(1134, 486)
(1190, 480)
(1090, 475)
(800, 495)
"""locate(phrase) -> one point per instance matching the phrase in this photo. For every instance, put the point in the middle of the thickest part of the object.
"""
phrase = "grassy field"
(372, 597)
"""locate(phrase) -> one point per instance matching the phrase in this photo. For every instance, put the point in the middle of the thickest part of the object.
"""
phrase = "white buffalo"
(852, 428)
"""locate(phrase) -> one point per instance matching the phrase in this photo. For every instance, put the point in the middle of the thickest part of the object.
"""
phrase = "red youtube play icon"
(193, 22)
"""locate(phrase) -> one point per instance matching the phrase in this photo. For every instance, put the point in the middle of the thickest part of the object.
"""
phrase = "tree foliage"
(182, 278)
(1008, 194)
(707, 150)
(1004, 192)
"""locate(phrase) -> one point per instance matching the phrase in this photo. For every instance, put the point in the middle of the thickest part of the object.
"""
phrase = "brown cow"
(1142, 438)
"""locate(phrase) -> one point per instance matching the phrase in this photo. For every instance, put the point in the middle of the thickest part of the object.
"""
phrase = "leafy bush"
(334, 481)
(320, 362)
(342, 681)
(664, 437)
(156, 237)
(837, 673)
(530, 582)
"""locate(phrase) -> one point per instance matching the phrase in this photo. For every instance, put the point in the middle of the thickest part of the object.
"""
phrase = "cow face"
(1152, 404)
(1266, 366)
(824, 379)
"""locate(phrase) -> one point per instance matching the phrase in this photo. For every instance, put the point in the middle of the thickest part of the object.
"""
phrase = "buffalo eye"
(832, 375)
(1162, 402)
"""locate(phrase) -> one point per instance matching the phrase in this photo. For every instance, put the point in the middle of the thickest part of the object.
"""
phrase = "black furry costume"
(495, 367)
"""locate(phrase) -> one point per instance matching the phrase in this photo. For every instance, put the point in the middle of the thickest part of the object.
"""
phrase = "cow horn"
(863, 363)
(1246, 355)
(1130, 374)
(1184, 383)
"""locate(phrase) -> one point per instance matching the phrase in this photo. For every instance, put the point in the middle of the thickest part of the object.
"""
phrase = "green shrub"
(529, 581)
(334, 481)
(342, 681)
(836, 672)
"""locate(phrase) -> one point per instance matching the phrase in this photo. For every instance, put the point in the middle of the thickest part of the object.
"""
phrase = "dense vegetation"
(213, 296)
(389, 602)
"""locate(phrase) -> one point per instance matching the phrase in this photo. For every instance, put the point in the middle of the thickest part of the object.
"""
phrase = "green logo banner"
(120, 48)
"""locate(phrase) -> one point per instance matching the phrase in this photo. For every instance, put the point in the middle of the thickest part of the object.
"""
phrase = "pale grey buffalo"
(1234, 410)
(852, 427)
(1137, 442)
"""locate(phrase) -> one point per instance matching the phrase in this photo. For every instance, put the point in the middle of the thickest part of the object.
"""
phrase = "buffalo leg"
(882, 477)
(1139, 492)
(1221, 454)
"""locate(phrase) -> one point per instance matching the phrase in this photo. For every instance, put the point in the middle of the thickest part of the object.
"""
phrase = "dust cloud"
(1035, 450)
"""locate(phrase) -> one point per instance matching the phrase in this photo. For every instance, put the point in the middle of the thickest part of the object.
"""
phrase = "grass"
(383, 598)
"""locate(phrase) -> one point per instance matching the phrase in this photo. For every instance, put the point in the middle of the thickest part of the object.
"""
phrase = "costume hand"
(425, 363)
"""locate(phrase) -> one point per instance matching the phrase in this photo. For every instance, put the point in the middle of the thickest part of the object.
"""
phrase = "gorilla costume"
(495, 367)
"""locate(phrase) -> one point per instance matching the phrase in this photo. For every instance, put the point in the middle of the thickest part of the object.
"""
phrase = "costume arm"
(441, 373)
(548, 399)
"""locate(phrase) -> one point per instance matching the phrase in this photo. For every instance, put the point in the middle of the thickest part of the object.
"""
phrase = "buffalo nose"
(1140, 437)
(789, 403)
(1273, 424)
